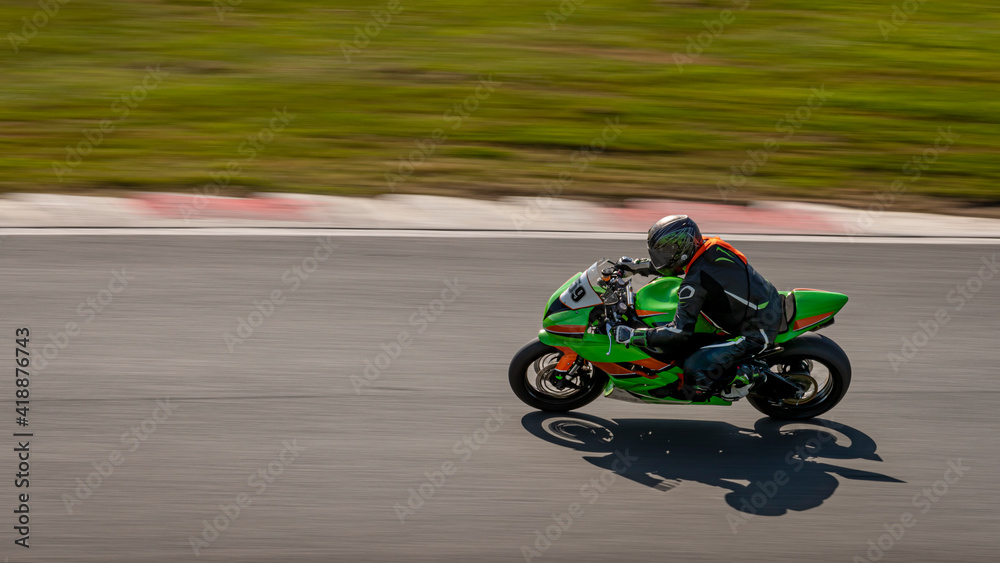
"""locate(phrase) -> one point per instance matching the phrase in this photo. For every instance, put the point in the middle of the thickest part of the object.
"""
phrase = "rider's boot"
(747, 375)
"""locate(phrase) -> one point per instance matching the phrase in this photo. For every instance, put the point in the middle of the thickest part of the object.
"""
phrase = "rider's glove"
(630, 336)
(642, 266)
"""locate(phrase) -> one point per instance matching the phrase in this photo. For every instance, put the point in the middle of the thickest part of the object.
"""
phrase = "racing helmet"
(672, 242)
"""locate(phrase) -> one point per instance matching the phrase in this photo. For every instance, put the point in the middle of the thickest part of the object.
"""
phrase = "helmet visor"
(664, 258)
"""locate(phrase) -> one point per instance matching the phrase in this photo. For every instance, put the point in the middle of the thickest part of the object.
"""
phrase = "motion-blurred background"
(696, 83)
(525, 108)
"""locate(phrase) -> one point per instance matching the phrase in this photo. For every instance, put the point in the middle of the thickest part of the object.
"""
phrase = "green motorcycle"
(575, 358)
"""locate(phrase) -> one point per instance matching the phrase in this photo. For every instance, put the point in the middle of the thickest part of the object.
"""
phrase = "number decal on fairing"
(580, 295)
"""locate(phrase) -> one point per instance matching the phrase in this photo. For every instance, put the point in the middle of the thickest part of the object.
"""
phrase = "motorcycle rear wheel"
(532, 379)
(816, 362)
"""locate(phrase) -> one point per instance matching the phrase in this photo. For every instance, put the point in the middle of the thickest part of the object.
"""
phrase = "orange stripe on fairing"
(612, 369)
(809, 321)
(566, 361)
(651, 363)
(567, 329)
(644, 313)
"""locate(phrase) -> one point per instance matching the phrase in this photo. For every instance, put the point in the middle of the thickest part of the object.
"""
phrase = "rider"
(718, 283)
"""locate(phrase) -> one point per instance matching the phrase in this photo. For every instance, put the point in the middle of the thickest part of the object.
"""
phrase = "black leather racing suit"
(721, 285)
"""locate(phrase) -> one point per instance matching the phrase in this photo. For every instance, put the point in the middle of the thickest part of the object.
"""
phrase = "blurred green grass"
(686, 127)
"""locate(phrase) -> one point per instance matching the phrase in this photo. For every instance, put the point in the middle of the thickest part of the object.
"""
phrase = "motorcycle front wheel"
(534, 380)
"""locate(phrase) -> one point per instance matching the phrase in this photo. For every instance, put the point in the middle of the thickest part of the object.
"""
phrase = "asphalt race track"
(156, 436)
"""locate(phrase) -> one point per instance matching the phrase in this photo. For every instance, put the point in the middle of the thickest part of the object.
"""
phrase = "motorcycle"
(575, 358)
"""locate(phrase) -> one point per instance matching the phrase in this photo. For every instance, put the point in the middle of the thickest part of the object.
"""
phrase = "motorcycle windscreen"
(586, 290)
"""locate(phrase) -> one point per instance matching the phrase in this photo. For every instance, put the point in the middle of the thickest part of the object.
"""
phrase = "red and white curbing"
(166, 210)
